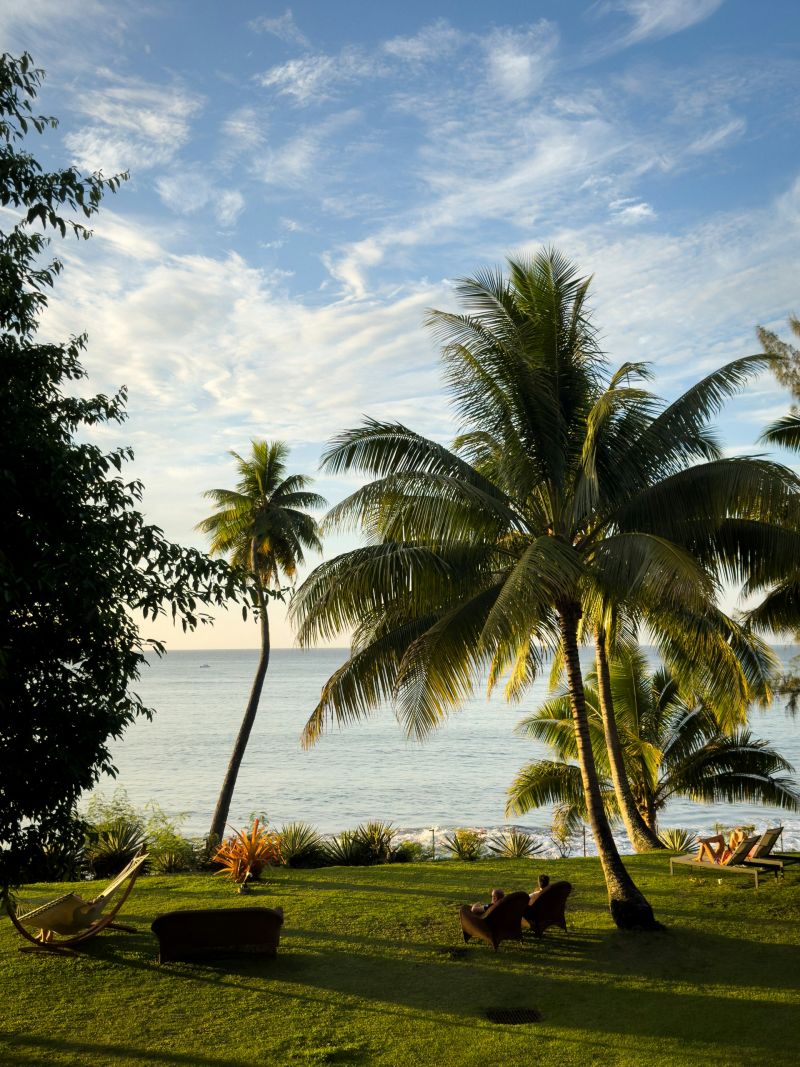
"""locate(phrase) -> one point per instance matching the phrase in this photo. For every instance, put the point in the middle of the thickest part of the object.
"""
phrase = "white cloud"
(284, 28)
(435, 41)
(654, 19)
(190, 189)
(242, 131)
(519, 62)
(630, 211)
(718, 138)
(132, 124)
(311, 79)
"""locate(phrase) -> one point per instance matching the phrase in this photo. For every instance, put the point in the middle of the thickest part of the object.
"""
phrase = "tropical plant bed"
(372, 970)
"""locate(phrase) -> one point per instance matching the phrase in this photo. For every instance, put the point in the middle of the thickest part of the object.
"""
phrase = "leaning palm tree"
(566, 488)
(673, 746)
(263, 528)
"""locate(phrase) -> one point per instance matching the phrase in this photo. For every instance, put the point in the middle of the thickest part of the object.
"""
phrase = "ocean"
(458, 777)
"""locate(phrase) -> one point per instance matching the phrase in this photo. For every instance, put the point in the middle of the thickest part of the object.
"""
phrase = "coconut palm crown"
(567, 488)
(263, 528)
(673, 747)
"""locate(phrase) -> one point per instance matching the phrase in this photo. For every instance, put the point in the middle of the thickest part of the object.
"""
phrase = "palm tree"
(263, 529)
(672, 746)
(486, 557)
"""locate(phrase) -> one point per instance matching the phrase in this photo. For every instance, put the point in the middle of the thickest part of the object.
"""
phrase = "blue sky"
(306, 181)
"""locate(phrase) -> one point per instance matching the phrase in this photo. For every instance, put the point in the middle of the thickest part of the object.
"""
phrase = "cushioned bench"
(187, 935)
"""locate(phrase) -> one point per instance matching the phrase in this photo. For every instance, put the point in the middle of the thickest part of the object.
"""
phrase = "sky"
(306, 181)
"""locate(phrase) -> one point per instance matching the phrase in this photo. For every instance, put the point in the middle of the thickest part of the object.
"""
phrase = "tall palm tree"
(263, 528)
(484, 558)
(672, 746)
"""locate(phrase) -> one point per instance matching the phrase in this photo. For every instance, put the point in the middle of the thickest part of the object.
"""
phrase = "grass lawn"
(372, 970)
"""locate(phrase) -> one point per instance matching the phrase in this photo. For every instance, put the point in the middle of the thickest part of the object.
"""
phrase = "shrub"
(678, 840)
(301, 845)
(464, 844)
(346, 850)
(245, 855)
(376, 838)
(113, 845)
(410, 852)
(514, 844)
(169, 851)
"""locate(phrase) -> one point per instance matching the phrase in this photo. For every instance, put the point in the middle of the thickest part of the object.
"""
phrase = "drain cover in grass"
(513, 1016)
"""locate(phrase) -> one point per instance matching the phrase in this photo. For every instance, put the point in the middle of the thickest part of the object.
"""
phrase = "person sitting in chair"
(716, 850)
(479, 909)
(543, 882)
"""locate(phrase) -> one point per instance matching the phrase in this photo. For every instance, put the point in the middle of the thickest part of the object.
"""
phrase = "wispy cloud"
(519, 62)
(131, 123)
(435, 41)
(313, 78)
(284, 28)
(719, 138)
(188, 190)
(651, 20)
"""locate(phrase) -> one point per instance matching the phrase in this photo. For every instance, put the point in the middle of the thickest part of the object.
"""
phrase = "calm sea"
(458, 777)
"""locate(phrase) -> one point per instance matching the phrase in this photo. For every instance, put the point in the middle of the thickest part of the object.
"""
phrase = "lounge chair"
(73, 918)
(763, 855)
(500, 922)
(547, 908)
(733, 865)
(205, 932)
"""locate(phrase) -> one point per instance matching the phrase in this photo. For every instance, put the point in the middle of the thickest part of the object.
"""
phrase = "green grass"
(372, 970)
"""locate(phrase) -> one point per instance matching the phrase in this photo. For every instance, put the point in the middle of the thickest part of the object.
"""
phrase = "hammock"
(72, 917)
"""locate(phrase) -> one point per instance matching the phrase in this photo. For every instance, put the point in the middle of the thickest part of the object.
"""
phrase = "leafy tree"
(672, 746)
(490, 556)
(76, 557)
(262, 527)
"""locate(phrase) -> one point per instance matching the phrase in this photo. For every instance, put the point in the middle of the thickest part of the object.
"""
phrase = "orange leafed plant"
(245, 855)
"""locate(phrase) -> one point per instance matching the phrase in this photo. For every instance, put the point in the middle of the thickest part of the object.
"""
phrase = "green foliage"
(346, 849)
(301, 845)
(410, 852)
(465, 845)
(672, 746)
(677, 839)
(115, 833)
(263, 528)
(77, 559)
(376, 838)
(514, 844)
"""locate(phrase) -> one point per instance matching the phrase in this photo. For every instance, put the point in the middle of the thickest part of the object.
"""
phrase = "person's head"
(737, 837)
(497, 894)
(544, 881)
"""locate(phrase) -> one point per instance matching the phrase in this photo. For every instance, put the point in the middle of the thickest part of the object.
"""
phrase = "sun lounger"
(763, 855)
(734, 865)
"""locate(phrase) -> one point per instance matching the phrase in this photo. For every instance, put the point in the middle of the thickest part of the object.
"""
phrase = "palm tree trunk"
(226, 793)
(628, 906)
(639, 833)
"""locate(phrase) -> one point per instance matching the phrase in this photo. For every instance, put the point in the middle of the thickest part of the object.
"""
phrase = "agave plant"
(346, 850)
(245, 855)
(376, 837)
(109, 848)
(464, 844)
(678, 840)
(301, 845)
(514, 844)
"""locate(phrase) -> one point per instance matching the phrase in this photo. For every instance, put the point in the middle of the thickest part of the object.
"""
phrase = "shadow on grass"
(29, 1049)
